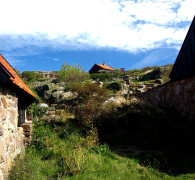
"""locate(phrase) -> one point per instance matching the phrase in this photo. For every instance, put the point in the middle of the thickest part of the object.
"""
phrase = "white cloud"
(155, 57)
(125, 25)
(14, 61)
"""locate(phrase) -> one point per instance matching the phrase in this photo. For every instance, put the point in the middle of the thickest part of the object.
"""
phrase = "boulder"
(56, 96)
(67, 95)
(47, 95)
(41, 89)
(60, 88)
(152, 85)
(140, 90)
(43, 105)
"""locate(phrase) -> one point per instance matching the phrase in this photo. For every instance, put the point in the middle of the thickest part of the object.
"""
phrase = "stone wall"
(11, 142)
(179, 95)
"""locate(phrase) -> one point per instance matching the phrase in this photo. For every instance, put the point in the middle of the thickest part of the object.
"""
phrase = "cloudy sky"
(42, 34)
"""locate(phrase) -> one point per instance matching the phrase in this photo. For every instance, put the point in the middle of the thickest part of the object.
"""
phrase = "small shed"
(15, 96)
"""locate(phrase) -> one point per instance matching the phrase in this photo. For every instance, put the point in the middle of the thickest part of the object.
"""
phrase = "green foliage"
(66, 153)
(36, 111)
(89, 102)
(106, 76)
(30, 76)
(71, 74)
(114, 86)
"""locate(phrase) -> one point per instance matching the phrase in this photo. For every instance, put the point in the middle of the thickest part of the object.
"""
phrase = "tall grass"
(60, 150)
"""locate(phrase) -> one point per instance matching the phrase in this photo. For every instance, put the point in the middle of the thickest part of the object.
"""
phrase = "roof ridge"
(14, 77)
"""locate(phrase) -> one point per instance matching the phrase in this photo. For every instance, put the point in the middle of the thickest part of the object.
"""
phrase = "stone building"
(48, 74)
(15, 96)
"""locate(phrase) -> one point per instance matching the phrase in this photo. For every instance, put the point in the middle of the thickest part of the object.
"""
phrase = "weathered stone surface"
(2, 151)
(1, 175)
(47, 95)
(60, 88)
(56, 96)
(3, 114)
(11, 147)
(4, 102)
(67, 95)
(179, 95)
(10, 104)
(11, 140)
(41, 89)
(1, 130)
(4, 170)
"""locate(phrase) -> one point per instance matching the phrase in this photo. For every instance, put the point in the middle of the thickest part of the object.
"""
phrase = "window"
(21, 115)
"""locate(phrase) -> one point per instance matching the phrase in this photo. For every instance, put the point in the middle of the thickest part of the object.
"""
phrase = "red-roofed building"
(99, 68)
(15, 96)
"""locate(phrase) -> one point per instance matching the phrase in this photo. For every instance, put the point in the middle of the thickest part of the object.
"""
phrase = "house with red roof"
(97, 68)
(15, 96)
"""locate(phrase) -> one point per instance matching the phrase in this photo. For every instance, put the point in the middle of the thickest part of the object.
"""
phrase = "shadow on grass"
(157, 138)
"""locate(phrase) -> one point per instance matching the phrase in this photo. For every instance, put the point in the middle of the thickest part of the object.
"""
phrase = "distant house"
(48, 74)
(97, 68)
(15, 96)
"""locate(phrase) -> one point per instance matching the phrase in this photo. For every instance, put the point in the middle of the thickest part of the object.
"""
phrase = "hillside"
(83, 134)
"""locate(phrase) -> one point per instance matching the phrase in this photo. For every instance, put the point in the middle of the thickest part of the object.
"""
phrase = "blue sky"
(42, 34)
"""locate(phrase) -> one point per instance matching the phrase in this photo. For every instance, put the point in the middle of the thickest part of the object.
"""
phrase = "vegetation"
(89, 103)
(99, 142)
(30, 76)
(106, 76)
(114, 86)
(72, 74)
(64, 150)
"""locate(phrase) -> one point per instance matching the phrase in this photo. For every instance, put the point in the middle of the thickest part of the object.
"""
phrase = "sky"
(43, 34)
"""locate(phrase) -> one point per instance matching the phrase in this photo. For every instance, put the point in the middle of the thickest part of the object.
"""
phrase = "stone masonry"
(11, 141)
(179, 95)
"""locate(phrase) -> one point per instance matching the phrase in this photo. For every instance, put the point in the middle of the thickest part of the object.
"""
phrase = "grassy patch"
(61, 151)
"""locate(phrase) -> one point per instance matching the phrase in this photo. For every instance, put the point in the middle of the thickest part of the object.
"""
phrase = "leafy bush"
(106, 76)
(36, 111)
(89, 102)
(74, 73)
(30, 76)
(115, 86)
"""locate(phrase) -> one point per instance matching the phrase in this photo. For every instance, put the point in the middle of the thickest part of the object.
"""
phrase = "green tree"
(30, 76)
(74, 73)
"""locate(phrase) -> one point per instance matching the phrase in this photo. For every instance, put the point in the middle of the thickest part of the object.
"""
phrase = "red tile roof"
(105, 67)
(14, 76)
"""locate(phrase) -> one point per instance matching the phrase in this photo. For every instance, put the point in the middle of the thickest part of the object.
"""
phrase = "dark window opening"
(21, 115)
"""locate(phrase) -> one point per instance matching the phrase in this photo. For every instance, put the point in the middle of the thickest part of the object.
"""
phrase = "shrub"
(36, 111)
(89, 102)
(106, 76)
(115, 86)
(74, 73)
(30, 76)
